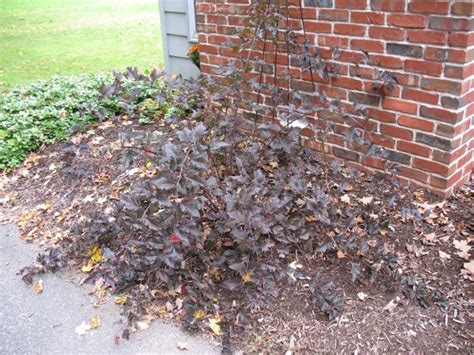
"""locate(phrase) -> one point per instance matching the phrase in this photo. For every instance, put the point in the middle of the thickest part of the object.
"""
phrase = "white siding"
(176, 37)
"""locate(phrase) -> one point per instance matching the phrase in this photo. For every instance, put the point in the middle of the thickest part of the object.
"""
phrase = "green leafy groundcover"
(52, 110)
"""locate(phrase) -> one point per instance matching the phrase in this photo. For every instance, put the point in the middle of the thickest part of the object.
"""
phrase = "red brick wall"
(427, 122)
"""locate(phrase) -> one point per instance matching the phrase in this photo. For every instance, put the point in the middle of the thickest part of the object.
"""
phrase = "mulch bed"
(62, 183)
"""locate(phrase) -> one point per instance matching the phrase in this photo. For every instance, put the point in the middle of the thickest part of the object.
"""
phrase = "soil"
(59, 185)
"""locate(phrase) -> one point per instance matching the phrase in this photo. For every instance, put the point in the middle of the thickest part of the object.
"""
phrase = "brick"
(441, 85)
(451, 71)
(348, 83)
(351, 4)
(392, 104)
(407, 79)
(367, 45)
(463, 8)
(416, 123)
(352, 57)
(349, 29)
(436, 54)
(430, 166)
(422, 36)
(386, 61)
(345, 154)
(333, 15)
(381, 115)
(318, 27)
(429, 7)
(440, 114)
(451, 102)
(388, 5)
(424, 67)
(450, 24)
(387, 33)
(395, 156)
(414, 148)
(374, 18)
(414, 174)
(409, 21)
(405, 50)
(396, 132)
(364, 99)
(318, 3)
(333, 41)
(461, 39)
(433, 141)
(420, 96)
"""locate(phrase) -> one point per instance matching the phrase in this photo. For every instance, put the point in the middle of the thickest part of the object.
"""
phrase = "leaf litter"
(31, 198)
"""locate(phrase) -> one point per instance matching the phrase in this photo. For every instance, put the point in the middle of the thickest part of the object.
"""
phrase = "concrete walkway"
(45, 323)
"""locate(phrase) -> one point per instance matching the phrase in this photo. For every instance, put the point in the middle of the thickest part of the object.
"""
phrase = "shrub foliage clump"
(236, 208)
(52, 110)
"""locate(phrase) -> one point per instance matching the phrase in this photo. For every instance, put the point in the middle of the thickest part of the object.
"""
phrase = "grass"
(41, 38)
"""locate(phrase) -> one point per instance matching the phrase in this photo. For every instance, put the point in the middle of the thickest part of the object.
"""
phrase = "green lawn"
(40, 38)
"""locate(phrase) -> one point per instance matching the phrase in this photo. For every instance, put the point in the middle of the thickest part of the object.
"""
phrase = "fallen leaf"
(295, 265)
(38, 287)
(95, 322)
(199, 314)
(143, 325)
(88, 267)
(341, 254)
(215, 326)
(463, 248)
(346, 199)
(182, 346)
(469, 267)
(121, 300)
(366, 200)
(83, 328)
(96, 254)
(247, 277)
(444, 255)
(362, 296)
(390, 307)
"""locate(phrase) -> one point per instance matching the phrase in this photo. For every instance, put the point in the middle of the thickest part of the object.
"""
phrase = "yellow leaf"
(199, 314)
(88, 267)
(214, 325)
(149, 164)
(311, 218)
(39, 287)
(121, 300)
(96, 254)
(95, 322)
(247, 277)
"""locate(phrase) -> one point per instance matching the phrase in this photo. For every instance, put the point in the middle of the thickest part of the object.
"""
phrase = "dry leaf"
(83, 328)
(341, 254)
(366, 200)
(443, 255)
(469, 267)
(346, 199)
(247, 277)
(362, 296)
(121, 300)
(87, 268)
(463, 248)
(199, 314)
(95, 322)
(38, 287)
(182, 346)
(214, 325)
(390, 307)
(143, 325)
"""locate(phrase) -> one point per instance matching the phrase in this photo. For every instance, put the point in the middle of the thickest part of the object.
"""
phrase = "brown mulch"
(45, 200)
